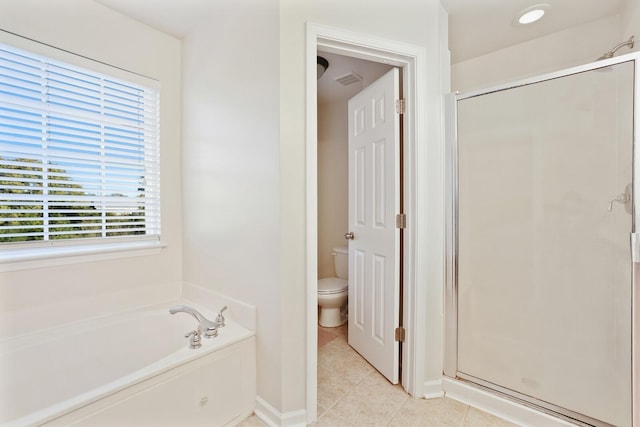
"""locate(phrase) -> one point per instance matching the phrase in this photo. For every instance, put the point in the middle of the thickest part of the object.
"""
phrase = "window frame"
(39, 253)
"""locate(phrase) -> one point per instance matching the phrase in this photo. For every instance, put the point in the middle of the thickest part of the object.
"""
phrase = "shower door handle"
(624, 199)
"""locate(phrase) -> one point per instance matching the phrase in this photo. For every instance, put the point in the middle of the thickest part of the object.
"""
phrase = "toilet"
(333, 291)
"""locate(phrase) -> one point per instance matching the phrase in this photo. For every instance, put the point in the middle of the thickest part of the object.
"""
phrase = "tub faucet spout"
(206, 326)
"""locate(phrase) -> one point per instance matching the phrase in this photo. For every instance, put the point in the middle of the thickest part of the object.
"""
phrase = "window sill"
(25, 259)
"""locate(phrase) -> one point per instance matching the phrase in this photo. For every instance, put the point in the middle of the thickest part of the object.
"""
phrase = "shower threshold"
(574, 418)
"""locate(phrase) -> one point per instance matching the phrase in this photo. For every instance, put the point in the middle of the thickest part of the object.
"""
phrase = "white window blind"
(79, 153)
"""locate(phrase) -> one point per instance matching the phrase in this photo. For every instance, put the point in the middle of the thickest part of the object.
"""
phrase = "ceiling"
(476, 27)
(174, 17)
(330, 90)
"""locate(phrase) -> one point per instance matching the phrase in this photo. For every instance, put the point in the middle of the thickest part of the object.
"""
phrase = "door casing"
(412, 61)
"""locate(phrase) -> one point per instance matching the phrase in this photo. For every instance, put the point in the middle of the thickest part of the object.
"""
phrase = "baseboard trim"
(275, 418)
(498, 406)
(433, 389)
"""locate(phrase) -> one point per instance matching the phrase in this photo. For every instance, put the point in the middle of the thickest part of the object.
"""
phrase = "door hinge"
(401, 106)
(400, 334)
(401, 220)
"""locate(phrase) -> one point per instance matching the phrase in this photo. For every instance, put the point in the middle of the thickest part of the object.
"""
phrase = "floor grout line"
(406, 409)
(372, 371)
(464, 419)
(398, 410)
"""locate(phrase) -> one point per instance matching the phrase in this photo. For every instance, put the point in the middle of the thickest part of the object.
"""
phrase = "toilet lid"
(332, 285)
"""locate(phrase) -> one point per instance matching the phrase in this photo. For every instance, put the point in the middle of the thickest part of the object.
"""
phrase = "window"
(79, 154)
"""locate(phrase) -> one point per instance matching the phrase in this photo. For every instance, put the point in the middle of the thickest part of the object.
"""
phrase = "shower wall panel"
(544, 269)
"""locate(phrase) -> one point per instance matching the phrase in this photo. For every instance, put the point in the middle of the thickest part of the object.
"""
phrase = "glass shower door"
(544, 284)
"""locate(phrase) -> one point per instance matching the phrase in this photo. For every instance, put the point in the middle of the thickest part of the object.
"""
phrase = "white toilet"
(333, 291)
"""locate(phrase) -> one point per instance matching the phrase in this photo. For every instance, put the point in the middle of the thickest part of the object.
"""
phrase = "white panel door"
(374, 200)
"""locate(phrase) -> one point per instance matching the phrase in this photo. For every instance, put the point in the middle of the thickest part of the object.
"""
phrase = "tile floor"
(352, 393)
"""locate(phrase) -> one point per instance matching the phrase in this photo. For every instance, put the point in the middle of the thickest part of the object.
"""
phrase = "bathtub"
(131, 369)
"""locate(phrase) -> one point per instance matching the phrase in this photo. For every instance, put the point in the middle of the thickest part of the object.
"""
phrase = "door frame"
(454, 385)
(412, 60)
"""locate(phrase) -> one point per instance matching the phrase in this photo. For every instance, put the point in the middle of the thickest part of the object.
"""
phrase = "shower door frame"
(450, 366)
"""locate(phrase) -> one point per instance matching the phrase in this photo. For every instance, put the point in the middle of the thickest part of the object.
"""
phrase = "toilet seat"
(332, 285)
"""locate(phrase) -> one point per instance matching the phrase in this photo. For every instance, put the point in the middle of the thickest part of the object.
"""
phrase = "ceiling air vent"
(349, 78)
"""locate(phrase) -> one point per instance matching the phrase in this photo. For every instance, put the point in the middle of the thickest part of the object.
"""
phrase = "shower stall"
(543, 250)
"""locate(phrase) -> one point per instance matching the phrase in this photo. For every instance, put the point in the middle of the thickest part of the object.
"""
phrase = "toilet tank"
(341, 261)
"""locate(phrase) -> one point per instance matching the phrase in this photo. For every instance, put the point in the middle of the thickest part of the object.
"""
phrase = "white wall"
(333, 180)
(631, 23)
(89, 29)
(567, 48)
(230, 169)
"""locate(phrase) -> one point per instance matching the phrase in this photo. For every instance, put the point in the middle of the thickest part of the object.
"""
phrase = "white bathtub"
(133, 369)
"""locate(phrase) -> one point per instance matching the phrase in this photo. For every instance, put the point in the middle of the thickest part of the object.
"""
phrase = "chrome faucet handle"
(194, 342)
(220, 318)
(211, 331)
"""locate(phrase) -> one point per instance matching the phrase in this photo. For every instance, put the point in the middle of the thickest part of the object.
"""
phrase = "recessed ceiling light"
(532, 14)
